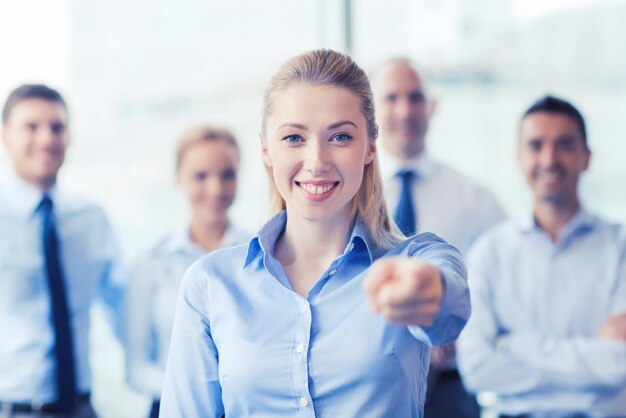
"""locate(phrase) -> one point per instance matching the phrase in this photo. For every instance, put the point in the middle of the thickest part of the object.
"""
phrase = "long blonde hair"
(325, 67)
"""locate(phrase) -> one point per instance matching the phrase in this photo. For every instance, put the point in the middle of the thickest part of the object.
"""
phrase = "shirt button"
(303, 401)
(304, 308)
(333, 271)
(351, 246)
(300, 348)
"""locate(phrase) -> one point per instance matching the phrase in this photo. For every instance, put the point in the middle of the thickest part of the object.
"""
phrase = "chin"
(214, 217)
(553, 198)
(321, 214)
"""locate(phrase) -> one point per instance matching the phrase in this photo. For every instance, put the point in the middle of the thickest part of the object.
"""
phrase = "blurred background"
(136, 74)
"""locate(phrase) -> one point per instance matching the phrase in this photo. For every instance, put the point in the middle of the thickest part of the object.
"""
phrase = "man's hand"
(405, 291)
(614, 327)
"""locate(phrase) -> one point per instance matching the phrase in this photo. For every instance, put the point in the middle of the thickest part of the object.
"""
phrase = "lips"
(550, 175)
(317, 191)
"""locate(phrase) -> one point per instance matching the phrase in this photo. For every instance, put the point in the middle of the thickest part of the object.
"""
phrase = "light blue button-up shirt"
(150, 304)
(89, 257)
(245, 344)
(537, 309)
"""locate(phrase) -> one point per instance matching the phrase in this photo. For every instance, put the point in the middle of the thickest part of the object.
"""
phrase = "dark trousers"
(447, 398)
(531, 416)
(154, 411)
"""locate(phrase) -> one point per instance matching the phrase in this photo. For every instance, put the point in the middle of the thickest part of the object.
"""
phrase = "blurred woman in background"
(207, 160)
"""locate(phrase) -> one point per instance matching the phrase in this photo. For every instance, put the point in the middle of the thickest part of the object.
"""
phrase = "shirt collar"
(423, 165)
(26, 197)
(265, 240)
(581, 221)
(181, 242)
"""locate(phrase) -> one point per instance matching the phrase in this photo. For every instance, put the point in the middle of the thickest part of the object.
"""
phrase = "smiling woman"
(207, 161)
(329, 311)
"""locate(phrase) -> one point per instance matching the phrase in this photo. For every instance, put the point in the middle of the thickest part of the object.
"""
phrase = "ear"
(586, 159)
(371, 152)
(266, 158)
(432, 106)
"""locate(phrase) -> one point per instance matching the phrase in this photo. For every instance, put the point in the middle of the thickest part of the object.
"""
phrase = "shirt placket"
(299, 360)
(301, 345)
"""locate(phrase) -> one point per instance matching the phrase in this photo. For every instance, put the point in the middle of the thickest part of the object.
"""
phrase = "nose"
(548, 156)
(316, 160)
(214, 186)
(404, 108)
(48, 137)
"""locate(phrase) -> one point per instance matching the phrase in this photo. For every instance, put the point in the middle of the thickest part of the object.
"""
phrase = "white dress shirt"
(90, 264)
(447, 203)
(151, 301)
(537, 307)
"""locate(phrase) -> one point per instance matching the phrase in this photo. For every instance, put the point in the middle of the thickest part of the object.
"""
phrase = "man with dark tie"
(56, 253)
(428, 196)
(547, 333)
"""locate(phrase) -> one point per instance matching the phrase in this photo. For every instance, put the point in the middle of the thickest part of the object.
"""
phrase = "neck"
(319, 241)
(207, 234)
(552, 217)
(44, 185)
(405, 154)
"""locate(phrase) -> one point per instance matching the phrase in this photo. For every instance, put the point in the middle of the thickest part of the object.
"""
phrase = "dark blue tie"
(405, 216)
(63, 352)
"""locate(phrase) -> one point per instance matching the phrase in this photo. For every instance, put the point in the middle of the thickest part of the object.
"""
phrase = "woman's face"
(316, 146)
(208, 176)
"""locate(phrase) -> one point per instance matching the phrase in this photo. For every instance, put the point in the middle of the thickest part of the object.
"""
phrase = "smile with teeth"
(317, 189)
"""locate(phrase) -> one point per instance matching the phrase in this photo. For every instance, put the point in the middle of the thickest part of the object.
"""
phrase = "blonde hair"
(325, 67)
(203, 133)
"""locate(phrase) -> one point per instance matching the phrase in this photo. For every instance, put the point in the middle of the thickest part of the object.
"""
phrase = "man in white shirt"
(56, 253)
(547, 333)
(428, 196)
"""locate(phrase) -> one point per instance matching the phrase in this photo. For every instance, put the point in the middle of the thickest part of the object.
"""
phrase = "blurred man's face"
(402, 109)
(36, 138)
(552, 156)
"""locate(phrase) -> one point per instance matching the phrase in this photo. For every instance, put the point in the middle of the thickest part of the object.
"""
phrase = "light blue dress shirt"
(537, 309)
(245, 344)
(89, 257)
(151, 300)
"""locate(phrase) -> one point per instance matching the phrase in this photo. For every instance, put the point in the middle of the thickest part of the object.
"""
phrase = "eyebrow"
(291, 125)
(304, 128)
(343, 122)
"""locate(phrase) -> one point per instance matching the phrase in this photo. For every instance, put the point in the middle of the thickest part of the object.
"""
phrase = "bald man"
(427, 195)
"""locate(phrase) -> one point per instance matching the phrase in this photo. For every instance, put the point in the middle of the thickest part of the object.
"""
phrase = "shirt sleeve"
(191, 388)
(577, 362)
(574, 362)
(483, 364)
(113, 281)
(619, 299)
(143, 373)
(455, 306)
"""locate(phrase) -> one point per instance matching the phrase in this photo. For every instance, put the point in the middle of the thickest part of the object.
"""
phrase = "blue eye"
(341, 138)
(292, 139)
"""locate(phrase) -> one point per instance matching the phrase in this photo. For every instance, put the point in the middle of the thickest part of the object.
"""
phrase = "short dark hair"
(556, 105)
(30, 91)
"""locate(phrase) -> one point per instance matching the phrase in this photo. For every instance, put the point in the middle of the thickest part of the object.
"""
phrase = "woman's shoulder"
(419, 243)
